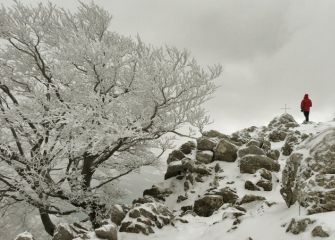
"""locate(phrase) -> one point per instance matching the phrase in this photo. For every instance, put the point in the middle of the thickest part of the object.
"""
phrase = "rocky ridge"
(229, 179)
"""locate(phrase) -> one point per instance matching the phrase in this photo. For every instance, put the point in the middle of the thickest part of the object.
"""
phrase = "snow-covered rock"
(206, 144)
(204, 156)
(108, 232)
(207, 205)
(175, 155)
(25, 236)
(63, 232)
(142, 218)
(118, 213)
(225, 151)
(187, 147)
(308, 176)
(251, 163)
(250, 150)
(284, 121)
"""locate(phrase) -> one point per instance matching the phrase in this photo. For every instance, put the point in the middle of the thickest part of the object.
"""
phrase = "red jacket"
(306, 104)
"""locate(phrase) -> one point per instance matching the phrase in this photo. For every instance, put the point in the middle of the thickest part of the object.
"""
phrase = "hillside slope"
(263, 220)
(273, 182)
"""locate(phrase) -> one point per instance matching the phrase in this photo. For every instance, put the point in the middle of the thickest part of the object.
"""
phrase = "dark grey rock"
(251, 163)
(225, 151)
(207, 205)
(319, 232)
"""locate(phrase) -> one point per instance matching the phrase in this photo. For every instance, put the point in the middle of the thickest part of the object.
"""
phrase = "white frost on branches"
(76, 97)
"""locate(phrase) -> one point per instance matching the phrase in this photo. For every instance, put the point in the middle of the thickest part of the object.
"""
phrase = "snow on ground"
(261, 222)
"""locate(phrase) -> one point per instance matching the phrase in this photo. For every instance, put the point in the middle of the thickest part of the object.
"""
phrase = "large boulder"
(206, 144)
(289, 174)
(251, 163)
(175, 155)
(241, 137)
(207, 205)
(117, 214)
(187, 147)
(308, 176)
(204, 156)
(225, 151)
(250, 150)
(253, 142)
(108, 232)
(277, 135)
(174, 169)
(25, 236)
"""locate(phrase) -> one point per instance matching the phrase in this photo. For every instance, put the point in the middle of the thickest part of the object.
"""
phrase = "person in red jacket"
(306, 105)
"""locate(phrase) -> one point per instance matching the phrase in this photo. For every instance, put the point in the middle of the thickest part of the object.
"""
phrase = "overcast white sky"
(272, 51)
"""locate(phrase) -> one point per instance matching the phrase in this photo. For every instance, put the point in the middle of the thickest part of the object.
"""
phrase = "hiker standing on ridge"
(306, 105)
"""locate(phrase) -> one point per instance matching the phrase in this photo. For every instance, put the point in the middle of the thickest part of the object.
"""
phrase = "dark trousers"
(306, 116)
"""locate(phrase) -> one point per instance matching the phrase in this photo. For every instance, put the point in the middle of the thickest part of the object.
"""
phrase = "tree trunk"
(87, 173)
(47, 223)
(87, 170)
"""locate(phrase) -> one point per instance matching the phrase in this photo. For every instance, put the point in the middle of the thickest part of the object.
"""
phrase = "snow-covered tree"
(81, 106)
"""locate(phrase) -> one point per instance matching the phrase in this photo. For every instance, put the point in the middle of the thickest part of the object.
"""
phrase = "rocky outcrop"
(280, 127)
(298, 226)
(143, 217)
(225, 151)
(308, 178)
(252, 163)
(253, 142)
(207, 205)
(285, 121)
(289, 174)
